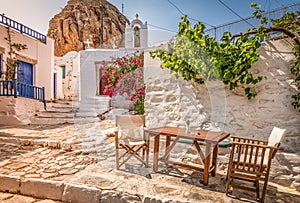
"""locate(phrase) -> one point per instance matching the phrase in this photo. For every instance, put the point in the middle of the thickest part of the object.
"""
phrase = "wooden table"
(211, 140)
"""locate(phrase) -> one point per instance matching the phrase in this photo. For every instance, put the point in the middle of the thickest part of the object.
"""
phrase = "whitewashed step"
(59, 112)
(55, 121)
(98, 109)
(86, 114)
(56, 115)
(62, 110)
(94, 102)
(59, 108)
(82, 120)
(59, 104)
(52, 121)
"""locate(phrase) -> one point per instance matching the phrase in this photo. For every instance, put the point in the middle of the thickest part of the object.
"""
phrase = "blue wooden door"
(54, 83)
(25, 73)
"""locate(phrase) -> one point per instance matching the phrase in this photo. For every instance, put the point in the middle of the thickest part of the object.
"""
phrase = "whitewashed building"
(68, 65)
(36, 69)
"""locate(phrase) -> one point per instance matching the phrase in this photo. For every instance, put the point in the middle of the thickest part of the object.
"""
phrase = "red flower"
(125, 75)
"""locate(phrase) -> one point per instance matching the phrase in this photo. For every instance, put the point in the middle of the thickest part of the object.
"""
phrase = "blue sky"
(158, 13)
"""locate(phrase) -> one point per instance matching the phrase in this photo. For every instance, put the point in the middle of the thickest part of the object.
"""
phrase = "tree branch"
(272, 29)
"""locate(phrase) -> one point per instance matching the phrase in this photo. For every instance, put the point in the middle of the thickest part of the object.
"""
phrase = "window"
(137, 39)
(63, 72)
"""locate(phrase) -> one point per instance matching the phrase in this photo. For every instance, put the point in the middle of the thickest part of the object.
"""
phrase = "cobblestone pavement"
(15, 198)
(83, 155)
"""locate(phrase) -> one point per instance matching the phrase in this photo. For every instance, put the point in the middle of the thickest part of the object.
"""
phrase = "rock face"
(97, 21)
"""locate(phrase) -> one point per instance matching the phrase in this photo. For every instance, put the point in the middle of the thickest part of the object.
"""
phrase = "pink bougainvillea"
(125, 75)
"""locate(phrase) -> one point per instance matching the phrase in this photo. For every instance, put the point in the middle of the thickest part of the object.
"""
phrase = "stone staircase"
(92, 107)
(60, 112)
(72, 112)
(84, 115)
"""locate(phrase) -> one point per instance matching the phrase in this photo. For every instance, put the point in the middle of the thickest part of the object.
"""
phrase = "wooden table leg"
(206, 163)
(214, 159)
(168, 142)
(147, 150)
(156, 152)
(117, 150)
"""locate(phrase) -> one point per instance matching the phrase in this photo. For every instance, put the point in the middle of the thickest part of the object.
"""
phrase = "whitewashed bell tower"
(136, 34)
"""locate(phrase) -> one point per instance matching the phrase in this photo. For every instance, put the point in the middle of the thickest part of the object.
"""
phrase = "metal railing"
(241, 25)
(18, 89)
(22, 28)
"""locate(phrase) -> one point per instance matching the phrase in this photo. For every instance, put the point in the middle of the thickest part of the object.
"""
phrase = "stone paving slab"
(35, 161)
(16, 198)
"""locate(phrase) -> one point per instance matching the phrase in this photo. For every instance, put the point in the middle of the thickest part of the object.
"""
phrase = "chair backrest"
(276, 137)
(130, 121)
(131, 125)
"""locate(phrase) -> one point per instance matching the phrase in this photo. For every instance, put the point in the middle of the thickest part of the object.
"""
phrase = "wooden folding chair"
(130, 140)
(250, 160)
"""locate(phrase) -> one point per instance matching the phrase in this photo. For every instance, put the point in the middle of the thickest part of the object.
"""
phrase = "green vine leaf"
(11, 62)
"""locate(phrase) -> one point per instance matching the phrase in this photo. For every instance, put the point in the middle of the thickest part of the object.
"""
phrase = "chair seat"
(132, 143)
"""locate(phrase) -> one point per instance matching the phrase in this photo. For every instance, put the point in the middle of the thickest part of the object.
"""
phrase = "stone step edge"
(68, 192)
(53, 144)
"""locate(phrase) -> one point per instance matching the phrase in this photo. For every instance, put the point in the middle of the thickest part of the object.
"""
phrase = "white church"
(81, 75)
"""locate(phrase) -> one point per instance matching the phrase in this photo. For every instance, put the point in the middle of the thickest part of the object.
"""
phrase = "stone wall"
(18, 111)
(213, 106)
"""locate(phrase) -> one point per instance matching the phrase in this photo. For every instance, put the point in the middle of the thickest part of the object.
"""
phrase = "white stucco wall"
(71, 73)
(59, 82)
(44, 74)
(18, 111)
(213, 106)
(144, 37)
(75, 80)
(129, 40)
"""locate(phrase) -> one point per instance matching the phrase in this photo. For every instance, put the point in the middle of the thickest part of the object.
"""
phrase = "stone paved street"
(15, 198)
(76, 163)
(37, 162)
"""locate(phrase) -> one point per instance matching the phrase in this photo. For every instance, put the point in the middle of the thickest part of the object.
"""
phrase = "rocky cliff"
(97, 21)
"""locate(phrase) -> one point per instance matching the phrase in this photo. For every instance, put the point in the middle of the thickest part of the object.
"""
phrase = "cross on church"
(88, 42)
